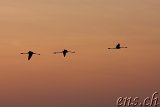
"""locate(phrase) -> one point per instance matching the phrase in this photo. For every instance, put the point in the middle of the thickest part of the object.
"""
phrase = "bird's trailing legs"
(30, 54)
(64, 52)
(118, 46)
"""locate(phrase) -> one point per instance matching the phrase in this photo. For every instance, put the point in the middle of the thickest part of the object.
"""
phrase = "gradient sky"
(94, 76)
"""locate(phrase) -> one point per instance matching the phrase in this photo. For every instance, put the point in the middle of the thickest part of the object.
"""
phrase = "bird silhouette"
(30, 54)
(118, 46)
(64, 52)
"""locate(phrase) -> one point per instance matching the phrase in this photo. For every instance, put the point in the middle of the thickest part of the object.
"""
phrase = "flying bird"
(30, 54)
(118, 46)
(64, 52)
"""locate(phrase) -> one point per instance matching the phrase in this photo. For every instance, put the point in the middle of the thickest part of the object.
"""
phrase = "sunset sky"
(92, 77)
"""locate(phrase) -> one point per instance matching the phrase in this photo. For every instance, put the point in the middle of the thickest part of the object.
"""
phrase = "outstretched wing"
(118, 46)
(64, 54)
(29, 56)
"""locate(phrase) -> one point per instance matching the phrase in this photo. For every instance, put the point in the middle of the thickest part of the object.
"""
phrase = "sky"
(92, 77)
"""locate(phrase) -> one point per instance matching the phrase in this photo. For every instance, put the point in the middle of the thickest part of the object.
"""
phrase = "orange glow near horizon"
(92, 77)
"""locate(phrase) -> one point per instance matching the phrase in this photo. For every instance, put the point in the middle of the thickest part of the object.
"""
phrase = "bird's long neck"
(112, 48)
(36, 53)
(57, 52)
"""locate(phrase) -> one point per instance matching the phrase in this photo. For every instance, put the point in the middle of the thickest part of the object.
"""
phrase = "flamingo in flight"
(118, 46)
(30, 54)
(64, 52)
